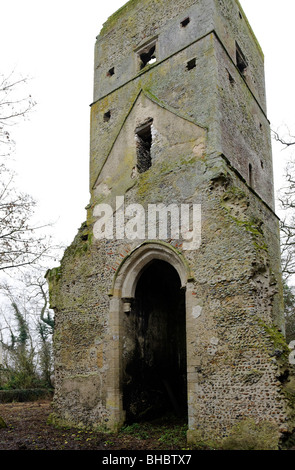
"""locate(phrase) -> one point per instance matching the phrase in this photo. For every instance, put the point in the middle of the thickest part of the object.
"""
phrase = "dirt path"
(27, 429)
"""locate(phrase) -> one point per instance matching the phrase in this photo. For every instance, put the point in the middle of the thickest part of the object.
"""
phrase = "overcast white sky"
(53, 43)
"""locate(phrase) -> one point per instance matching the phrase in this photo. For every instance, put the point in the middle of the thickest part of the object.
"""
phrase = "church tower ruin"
(170, 297)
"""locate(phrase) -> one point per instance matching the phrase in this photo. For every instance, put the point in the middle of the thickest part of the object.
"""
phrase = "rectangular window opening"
(185, 22)
(191, 64)
(107, 116)
(147, 55)
(241, 60)
(143, 136)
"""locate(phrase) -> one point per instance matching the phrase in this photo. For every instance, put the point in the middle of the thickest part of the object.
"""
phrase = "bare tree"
(286, 198)
(26, 323)
(289, 302)
(22, 242)
(14, 105)
(288, 141)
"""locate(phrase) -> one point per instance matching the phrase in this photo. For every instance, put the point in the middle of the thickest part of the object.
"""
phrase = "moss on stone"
(280, 348)
(250, 28)
(251, 435)
(112, 20)
(63, 423)
(223, 276)
(234, 193)
(149, 94)
(82, 241)
(246, 434)
(250, 225)
(151, 180)
(288, 391)
(197, 441)
(53, 277)
(235, 196)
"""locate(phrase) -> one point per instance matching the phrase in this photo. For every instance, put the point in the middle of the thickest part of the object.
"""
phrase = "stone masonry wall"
(232, 372)
(208, 124)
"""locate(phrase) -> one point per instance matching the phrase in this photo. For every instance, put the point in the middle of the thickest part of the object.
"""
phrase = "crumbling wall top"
(132, 5)
(172, 25)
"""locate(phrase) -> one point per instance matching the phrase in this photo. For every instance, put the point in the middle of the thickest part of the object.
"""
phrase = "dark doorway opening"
(155, 378)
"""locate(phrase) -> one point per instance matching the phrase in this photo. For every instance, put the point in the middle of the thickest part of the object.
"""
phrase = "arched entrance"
(154, 364)
(149, 308)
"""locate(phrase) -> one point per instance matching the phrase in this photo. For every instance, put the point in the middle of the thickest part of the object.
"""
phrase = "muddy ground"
(27, 429)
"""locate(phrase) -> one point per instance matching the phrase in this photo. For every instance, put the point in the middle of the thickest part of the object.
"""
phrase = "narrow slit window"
(185, 22)
(147, 56)
(241, 60)
(231, 79)
(143, 137)
(191, 64)
(250, 175)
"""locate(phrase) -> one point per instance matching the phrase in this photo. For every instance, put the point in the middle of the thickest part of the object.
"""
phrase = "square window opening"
(185, 22)
(143, 137)
(191, 64)
(147, 56)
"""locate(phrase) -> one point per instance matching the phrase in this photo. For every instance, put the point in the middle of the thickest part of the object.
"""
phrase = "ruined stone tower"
(183, 321)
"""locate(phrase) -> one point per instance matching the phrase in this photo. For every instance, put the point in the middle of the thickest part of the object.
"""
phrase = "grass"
(169, 432)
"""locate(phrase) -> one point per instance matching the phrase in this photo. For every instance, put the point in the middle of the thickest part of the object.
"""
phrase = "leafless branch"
(283, 141)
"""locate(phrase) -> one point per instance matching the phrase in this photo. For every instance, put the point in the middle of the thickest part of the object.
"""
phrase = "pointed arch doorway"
(148, 377)
(154, 367)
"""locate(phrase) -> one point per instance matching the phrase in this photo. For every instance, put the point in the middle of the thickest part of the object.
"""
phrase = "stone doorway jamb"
(121, 297)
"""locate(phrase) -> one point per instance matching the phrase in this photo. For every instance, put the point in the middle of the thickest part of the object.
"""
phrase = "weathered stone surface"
(208, 124)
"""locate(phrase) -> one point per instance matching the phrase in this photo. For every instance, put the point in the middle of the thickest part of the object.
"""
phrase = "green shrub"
(8, 396)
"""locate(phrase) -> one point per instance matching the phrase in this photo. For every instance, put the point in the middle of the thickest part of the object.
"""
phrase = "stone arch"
(121, 298)
(131, 267)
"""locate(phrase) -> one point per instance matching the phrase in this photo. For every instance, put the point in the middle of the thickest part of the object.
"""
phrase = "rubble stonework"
(125, 307)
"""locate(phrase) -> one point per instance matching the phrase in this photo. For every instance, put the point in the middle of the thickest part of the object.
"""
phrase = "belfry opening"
(154, 377)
